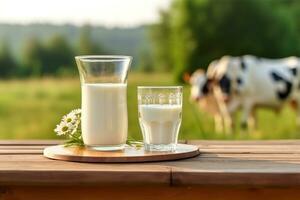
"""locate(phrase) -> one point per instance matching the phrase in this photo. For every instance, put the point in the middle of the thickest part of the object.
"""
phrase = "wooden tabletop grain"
(221, 163)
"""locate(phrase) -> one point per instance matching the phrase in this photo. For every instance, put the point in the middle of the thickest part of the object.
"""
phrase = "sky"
(111, 13)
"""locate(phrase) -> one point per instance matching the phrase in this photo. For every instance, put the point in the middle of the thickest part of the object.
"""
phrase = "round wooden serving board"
(129, 154)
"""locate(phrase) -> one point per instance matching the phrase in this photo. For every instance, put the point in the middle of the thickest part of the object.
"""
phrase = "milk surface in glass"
(104, 113)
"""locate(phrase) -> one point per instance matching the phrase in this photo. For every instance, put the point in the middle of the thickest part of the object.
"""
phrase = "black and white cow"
(247, 82)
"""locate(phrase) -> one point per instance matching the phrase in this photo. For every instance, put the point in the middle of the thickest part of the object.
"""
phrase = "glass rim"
(159, 87)
(103, 58)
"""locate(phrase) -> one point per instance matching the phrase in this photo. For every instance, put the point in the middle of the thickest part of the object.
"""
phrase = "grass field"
(30, 109)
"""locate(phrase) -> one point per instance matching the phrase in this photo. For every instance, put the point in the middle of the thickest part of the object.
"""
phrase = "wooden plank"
(40, 164)
(204, 146)
(203, 142)
(30, 142)
(234, 165)
(12, 151)
(147, 193)
(250, 146)
(243, 179)
(206, 156)
(244, 142)
(277, 157)
(238, 170)
(243, 163)
(251, 151)
(82, 177)
(22, 158)
(37, 170)
(26, 147)
(207, 162)
(202, 150)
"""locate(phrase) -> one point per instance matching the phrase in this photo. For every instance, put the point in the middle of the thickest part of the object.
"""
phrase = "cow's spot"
(225, 84)
(205, 88)
(239, 81)
(282, 93)
(294, 71)
(243, 64)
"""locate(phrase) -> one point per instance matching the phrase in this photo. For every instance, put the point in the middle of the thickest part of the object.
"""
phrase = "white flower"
(69, 123)
(70, 126)
(64, 128)
(70, 118)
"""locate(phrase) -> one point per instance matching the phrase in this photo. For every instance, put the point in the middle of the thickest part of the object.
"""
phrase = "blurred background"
(39, 39)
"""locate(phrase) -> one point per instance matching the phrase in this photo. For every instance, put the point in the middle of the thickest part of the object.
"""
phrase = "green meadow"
(30, 109)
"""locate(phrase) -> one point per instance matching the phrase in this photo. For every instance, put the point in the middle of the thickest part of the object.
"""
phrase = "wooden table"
(224, 170)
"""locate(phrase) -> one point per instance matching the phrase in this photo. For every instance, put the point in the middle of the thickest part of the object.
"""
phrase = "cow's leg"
(246, 113)
(297, 107)
(226, 118)
(227, 124)
(227, 121)
(251, 122)
(298, 117)
(223, 123)
(233, 106)
(219, 128)
(223, 110)
(220, 117)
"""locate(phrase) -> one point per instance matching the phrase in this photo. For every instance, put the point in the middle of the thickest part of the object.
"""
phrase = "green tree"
(8, 66)
(33, 54)
(54, 57)
(289, 9)
(59, 56)
(146, 61)
(86, 46)
(160, 34)
(204, 30)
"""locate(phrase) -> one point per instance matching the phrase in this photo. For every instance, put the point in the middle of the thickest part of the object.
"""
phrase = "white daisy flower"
(64, 128)
(70, 118)
(69, 124)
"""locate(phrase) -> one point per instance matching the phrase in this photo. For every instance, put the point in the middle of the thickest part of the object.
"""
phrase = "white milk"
(160, 123)
(104, 114)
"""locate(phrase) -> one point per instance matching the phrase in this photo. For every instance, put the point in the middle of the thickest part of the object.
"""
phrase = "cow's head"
(201, 92)
(221, 73)
(200, 85)
(226, 73)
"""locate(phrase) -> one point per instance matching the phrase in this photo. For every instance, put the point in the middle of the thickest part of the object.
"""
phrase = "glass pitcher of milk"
(104, 120)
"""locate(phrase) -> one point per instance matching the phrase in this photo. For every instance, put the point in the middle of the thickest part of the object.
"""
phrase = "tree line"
(192, 33)
(52, 57)
(189, 35)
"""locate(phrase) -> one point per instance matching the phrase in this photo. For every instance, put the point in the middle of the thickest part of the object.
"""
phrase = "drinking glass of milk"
(104, 120)
(160, 112)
